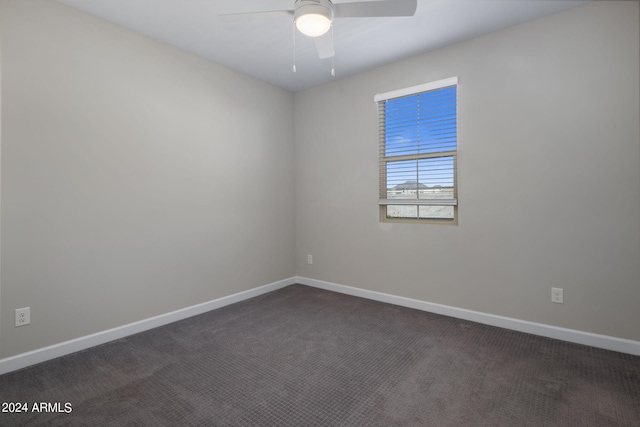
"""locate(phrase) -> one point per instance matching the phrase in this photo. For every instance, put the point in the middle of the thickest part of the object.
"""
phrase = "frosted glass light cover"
(313, 24)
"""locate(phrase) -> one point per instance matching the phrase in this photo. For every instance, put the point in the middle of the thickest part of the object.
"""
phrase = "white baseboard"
(23, 360)
(571, 335)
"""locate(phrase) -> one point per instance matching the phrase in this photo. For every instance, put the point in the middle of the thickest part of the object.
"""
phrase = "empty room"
(320, 213)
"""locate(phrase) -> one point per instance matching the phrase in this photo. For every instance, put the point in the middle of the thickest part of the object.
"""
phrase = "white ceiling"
(264, 49)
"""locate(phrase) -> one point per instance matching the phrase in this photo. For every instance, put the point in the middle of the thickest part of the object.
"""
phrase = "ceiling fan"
(314, 18)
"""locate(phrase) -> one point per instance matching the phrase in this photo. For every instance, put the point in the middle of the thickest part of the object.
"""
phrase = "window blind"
(418, 151)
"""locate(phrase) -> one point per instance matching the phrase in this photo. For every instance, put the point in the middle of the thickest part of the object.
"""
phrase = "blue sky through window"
(424, 123)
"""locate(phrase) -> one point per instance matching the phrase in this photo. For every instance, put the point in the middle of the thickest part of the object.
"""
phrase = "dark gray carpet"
(307, 357)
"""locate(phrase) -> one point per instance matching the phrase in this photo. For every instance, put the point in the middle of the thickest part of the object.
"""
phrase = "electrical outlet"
(309, 259)
(557, 295)
(23, 316)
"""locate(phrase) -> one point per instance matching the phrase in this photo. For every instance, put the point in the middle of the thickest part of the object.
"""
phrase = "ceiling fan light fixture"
(313, 19)
(313, 24)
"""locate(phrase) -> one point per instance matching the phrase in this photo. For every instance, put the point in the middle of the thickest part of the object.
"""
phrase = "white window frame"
(383, 201)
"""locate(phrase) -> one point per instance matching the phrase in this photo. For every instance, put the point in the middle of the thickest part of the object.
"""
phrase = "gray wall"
(549, 175)
(1, 310)
(133, 184)
(136, 179)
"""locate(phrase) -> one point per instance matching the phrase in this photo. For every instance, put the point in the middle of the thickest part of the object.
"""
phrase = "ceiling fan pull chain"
(333, 58)
(294, 46)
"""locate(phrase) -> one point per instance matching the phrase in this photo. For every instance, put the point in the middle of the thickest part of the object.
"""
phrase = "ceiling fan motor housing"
(321, 7)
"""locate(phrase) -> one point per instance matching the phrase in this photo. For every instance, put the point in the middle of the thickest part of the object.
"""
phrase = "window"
(418, 153)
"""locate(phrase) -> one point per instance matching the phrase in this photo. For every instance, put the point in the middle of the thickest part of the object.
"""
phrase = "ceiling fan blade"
(370, 9)
(324, 45)
(254, 16)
